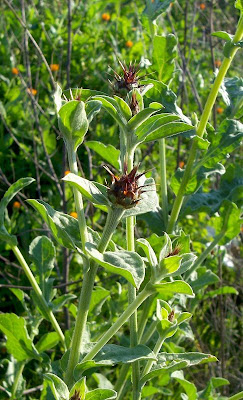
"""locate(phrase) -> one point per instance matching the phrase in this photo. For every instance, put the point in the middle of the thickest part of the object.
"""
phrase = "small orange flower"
(219, 110)
(106, 17)
(54, 67)
(16, 205)
(15, 71)
(202, 6)
(171, 4)
(129, 44)
(32, 91)
(67, 172)
(217, 63)
(181, 164)
(74, 214)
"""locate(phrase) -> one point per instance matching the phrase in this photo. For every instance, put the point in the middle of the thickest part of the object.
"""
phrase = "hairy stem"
(201, 127)
(16, 379)
(38, 293)
(163, 181)
(113, 218)
(146, 292)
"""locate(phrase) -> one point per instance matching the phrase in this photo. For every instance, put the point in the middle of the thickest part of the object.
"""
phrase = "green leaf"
(229, 221)
(101, 394)
(125, 263)
(112, 354)
(170, 129)
(113, 108)
(43, 253)
(223, 35)
(171, 288)
(196, 180)
(189, 387)
(161, 93)
(73, 123)
(206, 278)
(169, 265)
(108, 152)
(150, 254)
(88, 189)
(10, 193)
(226, 140)
(47, 341)
(162, 369)
(232, 94)
(19, 343)
(58, 387)
(164, 53)
(220, 291)
(138, 119)
(124, 107)
(64, 228)
(239, 5)
(154, 9)
(92, 108)
(98, 297)
(57, 96)
(79, 387)
(191, 358)
(148, 201)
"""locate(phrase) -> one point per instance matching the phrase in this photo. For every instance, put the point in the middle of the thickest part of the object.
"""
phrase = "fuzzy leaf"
(47, 341)
(79, 387)
(108, 152)
(164, 53)
(171, 288)
(125, 263)
(229, 221)
(150, 254)
(58, 387)
(101, 394)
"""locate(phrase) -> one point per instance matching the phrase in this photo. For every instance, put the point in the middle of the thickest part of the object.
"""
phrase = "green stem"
(149, 332)
(156, 350)
(163, 180)
(16, 379)
(144, 317)
(201, 127)
(131, 289)
(112, 220)
(38, 293)
(78, 197)
(120, 383)
(146, 292)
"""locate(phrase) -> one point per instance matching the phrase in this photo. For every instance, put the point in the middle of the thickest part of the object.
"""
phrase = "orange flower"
(217, 63)
(54, 67)
(16, 205)
(129, 44)
(181, 164)
(219, 110)
(202, 6)
(15, 71)
(74, 214)
(106, 17)
(67, 172)
(32, 91)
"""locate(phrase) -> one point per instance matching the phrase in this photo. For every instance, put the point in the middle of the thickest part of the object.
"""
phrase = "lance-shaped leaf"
(205, 278)
(73, 122)
(112, 354)
(80, 388)
(170, 129)
(170, 362)
(232, 96)
(47, 341)
(138, 119)
(58, 387)
(101, 394)
(229, 221)
(154, 124)
(19, 343)
(90, 190)
(108, 152)
(113, 108)
(164, 53)
(10, 193)
(64, 228)
(42, 252)
(150, 254)
(171, 288)
(125, 263)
